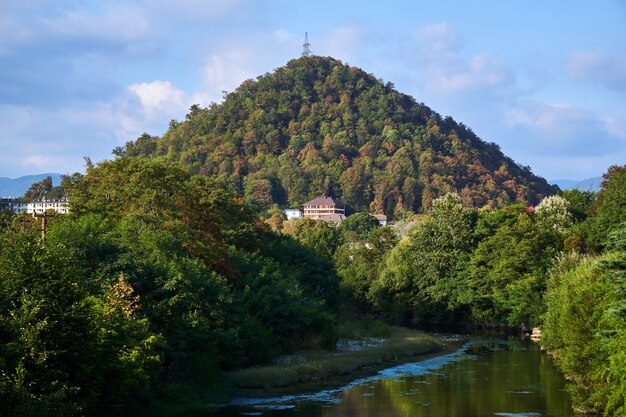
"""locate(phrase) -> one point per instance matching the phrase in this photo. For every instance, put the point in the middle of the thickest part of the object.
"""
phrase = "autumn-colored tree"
(317, 126)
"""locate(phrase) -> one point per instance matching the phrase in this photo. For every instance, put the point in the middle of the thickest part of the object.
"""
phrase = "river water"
(487, 377)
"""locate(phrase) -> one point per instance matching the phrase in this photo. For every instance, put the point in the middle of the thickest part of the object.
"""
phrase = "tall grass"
(320, 365)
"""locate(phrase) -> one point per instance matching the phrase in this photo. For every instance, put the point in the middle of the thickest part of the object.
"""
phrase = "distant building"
(293, 214)
(14, 205)
(335, 218)
(322, 206)
(34, 207)
(382, 219)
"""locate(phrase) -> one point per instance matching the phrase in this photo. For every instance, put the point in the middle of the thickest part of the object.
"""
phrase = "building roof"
(322, 201)
(380, 217)
(334, 218)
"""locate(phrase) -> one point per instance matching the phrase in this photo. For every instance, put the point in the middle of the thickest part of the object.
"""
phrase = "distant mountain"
(16, 187)
(590, 184)
(319, 127)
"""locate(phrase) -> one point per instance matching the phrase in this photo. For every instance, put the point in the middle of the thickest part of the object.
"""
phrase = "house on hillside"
(382, 219)
(320, 207)
(293, 214)
(335, 218)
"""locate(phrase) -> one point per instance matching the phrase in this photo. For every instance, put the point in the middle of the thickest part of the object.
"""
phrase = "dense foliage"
(156, 281)
(160, 279)
(455, 265)
(497, 267)
(319, 127)
(585, 322)
(44, 189)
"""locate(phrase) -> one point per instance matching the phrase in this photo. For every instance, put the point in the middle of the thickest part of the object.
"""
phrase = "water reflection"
(489, 377)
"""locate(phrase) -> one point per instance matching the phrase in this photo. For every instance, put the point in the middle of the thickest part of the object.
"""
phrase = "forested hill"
(319, 127)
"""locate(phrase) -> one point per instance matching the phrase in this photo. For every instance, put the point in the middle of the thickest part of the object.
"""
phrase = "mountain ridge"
(588, 184)
(319, 127)
(16, 187)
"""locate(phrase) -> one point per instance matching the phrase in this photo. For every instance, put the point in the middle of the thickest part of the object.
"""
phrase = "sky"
(544, 80)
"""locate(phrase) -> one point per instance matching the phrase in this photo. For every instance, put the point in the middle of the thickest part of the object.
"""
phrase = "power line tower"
(306, 47)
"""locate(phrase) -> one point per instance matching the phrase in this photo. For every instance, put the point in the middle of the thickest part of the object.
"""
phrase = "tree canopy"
(157, 280)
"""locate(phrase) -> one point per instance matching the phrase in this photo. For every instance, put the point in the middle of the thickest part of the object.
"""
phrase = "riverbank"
(310, 371)
(304, 372)
(487, 376)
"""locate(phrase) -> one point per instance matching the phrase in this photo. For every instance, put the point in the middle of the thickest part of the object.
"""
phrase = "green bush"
(585, 328)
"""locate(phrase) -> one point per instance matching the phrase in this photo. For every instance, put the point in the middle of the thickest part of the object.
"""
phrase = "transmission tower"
(306, 47)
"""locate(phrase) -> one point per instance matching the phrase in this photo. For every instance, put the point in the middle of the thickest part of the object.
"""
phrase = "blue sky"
(544, 80)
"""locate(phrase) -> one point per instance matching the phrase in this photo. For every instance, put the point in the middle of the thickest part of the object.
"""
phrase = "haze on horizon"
(547, 82)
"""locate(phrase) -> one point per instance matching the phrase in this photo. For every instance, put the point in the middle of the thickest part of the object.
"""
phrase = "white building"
(34, 207)
(293, 214)
(14, 205)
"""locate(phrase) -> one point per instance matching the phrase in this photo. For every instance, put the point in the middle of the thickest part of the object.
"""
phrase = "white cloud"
(38, 161)
(226, 71)
(438, 39)
(564, 130)
(56, 139)
(24, 26)
(12, 33)
(120, 22)
(158, 95)
(478, 72)
(443, 69)
(608, 70)
(615, 126)
(143, 107)
(240, 58)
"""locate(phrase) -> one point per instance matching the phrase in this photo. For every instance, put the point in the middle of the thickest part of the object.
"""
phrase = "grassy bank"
(364, 348)
(307, 367)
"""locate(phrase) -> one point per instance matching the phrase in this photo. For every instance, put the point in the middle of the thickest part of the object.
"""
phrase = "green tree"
(152, 260)
(318, 236)
(423, 267)
(506, 272)
(585, 326)
(358, 263)
(610, 208)
(39, 190)
(580, 203)
(65, 338)
(357, 226)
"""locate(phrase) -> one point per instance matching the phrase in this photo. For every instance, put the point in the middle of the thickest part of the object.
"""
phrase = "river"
(486, 377)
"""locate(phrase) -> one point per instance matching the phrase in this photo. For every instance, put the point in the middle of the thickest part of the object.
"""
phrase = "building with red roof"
(321, 207)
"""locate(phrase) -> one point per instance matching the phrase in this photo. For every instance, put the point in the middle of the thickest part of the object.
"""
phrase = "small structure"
(535, 334)
(382, 219)
(322, 206)
(306, 47)
(293, 214)
(335, 218)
